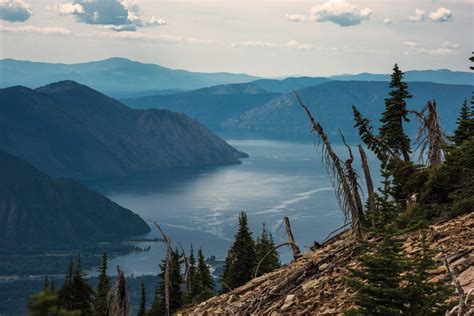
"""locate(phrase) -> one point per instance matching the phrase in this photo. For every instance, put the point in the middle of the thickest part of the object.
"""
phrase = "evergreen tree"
(100, 301)
(46, 284)
(239, 263)
(425, 297)
(157, 306)
(465, 125)
(52, 286)
(193, 276)
(391, 132)
(378, 281)
(206, 284)
(142, 306)
(386, 210)
(266, 246)
(176, 281)
(82, 291)
(66, 292)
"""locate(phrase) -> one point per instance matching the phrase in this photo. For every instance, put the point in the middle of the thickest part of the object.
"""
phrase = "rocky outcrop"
(315, 283)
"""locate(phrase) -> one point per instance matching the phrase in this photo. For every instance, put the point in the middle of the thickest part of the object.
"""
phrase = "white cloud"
(255, 44)
(387, 21)
(117, 15)
(419, 16)
(299, 46)
(36, 29)
(295, 17)
(15, 10)
(69, 8)
(340, 12)
(441, 15)
(415, 48)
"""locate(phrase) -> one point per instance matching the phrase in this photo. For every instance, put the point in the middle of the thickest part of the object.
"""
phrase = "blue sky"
(261, 37)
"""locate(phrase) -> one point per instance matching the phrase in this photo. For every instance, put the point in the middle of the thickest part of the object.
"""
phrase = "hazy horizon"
(265, 38)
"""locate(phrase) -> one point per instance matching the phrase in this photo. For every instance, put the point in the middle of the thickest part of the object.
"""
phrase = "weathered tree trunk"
(368, 181)
(343, 186)
(294, 249)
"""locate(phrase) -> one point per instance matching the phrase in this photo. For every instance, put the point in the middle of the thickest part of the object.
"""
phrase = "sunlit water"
(201, 206)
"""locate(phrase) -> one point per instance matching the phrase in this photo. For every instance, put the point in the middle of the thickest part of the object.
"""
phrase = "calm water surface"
(280, 178)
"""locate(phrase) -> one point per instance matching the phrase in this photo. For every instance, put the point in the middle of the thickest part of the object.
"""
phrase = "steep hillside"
(114, 76)
(210, 106)
(69, 130)
(315, 283)
(332, 102)
(36, 210)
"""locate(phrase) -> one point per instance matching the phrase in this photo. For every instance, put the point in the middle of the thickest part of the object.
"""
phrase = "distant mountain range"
(117, 77)
(123, 78)
(38, 211)
(69, 130)
(210, 106)
(331, 104)
(438, 76)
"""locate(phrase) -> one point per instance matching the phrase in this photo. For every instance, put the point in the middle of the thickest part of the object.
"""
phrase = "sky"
(261, 37)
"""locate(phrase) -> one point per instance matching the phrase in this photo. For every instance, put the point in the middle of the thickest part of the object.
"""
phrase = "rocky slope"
(314, 284)
(69, 130)
(38, 211)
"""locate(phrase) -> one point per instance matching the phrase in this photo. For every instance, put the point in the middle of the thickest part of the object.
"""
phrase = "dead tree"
(118, 303)
(187, 270)
(461, 308)
(333, 165)
(169, 255)
(272, 250)
(431, 138)
(294, 248)
(368, 180)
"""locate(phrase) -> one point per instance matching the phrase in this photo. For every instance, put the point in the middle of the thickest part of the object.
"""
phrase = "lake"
(200, 207)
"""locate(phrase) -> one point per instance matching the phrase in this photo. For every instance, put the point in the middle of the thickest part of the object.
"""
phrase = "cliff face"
(314, 284)
(36, 210)
(69, 130)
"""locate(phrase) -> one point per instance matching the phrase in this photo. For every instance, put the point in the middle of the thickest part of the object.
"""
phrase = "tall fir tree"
(157, 307)
(66, 294)
(386, 207)
(378, 281)
(391, 133)
(425, 297)
(83, 292)
(193, 276)
(176, 280)
(142, 306)
(206, 284)
(265, 249)
(240, 260)
(103, 287)
(465, 125)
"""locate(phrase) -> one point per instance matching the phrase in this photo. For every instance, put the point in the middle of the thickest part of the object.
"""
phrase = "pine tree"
(46, 284)
(100, 301)
(176, 280)
(386, 210)
(66, 292)
(157, 307)
(391, 132)
(142, 306)
(465, 125)
(239, 263)
(425, 297)
(82, 291)
(378, 281)
(206, 284)
(265, 249)
(52, 286)
(193, 276)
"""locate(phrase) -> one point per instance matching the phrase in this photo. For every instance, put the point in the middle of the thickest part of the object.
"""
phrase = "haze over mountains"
(120, 77)
(38, 211)
(69, 130)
